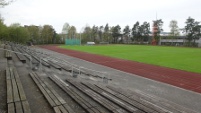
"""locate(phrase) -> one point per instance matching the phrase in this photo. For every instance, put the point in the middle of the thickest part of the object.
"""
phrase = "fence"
(73, 42)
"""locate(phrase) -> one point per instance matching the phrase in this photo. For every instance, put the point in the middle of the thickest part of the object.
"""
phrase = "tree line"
(139, 33)
(35, 34)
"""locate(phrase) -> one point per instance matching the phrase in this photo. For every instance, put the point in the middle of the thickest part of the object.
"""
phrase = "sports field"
(188, 59)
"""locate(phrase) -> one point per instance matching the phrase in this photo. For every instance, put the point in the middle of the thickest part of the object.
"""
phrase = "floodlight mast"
(154, 32)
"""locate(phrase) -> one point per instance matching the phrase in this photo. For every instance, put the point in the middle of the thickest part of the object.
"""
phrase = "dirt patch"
(179, 78)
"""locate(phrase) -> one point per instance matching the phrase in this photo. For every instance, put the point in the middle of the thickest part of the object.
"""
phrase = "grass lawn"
(188, 59)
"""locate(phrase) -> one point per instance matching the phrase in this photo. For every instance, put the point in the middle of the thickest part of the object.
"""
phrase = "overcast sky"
(99, 12)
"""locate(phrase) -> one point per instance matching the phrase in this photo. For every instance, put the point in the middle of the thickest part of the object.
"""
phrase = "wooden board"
(67, 107)
(57, 110)
(21, 90)
(48, 91)
(61, 100)
(11, 73)
(11, 108)
(16, 75)
(26, 107)
(8, 73)
(18, 107)
(63, 110)
(15, 91)
(43, 91)
(9, 91)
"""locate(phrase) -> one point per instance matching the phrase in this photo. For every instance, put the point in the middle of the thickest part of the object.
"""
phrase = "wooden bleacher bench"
(21, 57)
(97, 97)
(8, 54)
(16, 98)
(80, 99)
(54, 99)
(53, 64)
(114, 99)
(132, 97)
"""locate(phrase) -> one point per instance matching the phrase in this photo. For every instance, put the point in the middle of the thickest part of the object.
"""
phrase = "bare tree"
(5, 2)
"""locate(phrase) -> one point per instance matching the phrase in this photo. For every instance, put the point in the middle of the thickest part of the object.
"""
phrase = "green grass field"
(188, 59)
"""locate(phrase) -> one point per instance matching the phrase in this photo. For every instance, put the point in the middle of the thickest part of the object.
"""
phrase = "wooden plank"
(21, 90)
(21, 58)
(16, 75)
(8, 55)
(11, 73)
(8, 73)
(18, 107)
(61, 100)
(63, 110)
(136, 103)
(67, 107)
(11, 108)
(94, 110)
(43, 91)
(52, 96)
(88, 106)
(126, 99)
(56, 101)
(139, 98)
(15, 91)
(53, 64)
(72, 95)
(9, 91)
(57, 110)
(107, 104)
(26, 107)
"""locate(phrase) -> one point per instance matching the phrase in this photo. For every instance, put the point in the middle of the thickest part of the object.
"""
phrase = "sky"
(80, 13)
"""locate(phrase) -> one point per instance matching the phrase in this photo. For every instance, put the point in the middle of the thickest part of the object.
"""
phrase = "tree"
(135, 31)
(3, 30)
(158, 29)
(72, 32)
(145, 29)
(34, 32)
(106, 34)
(94, 32)
(65, 30)
(58, 39)
(100, 33)
(174, 29)
(18, 33)
(116, 33)
(5, 2)
(127, 33)
(86, 35)
(47, 34)
(192, 30)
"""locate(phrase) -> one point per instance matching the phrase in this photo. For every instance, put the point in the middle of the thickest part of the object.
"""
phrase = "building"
(176, 41)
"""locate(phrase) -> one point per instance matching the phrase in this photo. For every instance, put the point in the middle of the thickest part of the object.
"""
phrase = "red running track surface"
(183, 79)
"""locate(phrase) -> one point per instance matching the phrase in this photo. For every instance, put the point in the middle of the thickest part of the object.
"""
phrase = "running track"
(183, 79)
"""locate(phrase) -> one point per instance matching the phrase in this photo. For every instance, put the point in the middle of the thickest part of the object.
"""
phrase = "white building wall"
(199, 42)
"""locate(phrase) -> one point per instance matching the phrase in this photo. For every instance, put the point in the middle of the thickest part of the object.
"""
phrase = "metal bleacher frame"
(99, 74)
